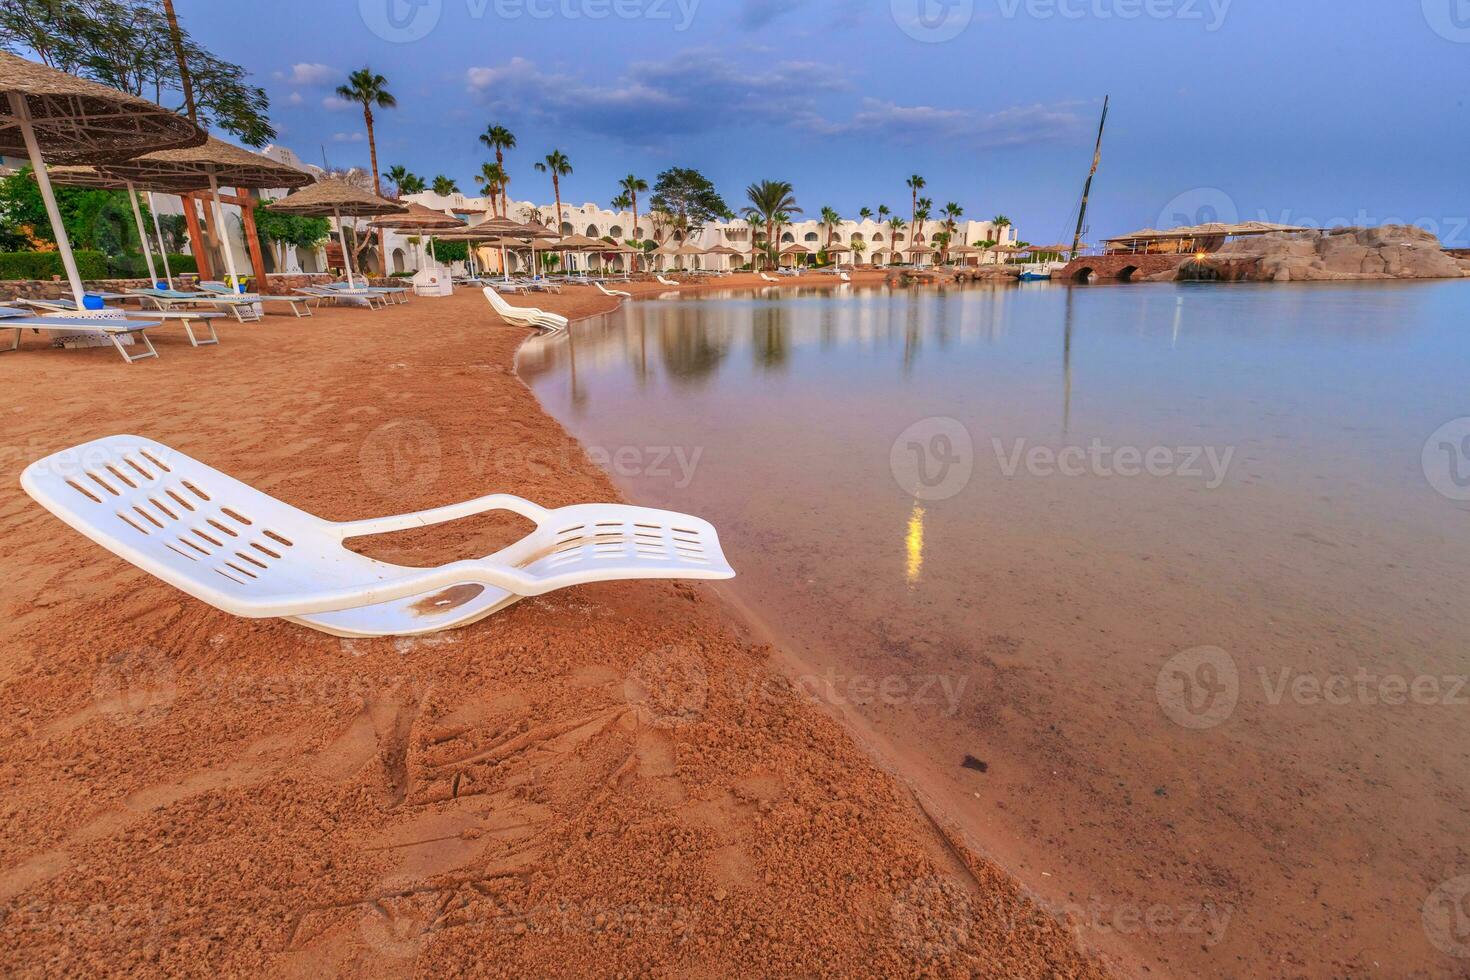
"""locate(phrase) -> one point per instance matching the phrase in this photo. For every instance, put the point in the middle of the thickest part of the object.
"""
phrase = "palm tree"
(915, 184)
(397, 174)
(633, 185)
(492, 180)
(865, 213)
(370, 90)
(923, 214)
(830, 220)
(412, 184)
(769, 200)
(858, 248)
(444, 186)
(952, 215)
(499, 139)
(896, 225)
(622, 202)
(556, 164)
(1001, 223)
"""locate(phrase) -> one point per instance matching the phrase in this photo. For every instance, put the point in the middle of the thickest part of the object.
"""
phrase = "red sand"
(605, 780)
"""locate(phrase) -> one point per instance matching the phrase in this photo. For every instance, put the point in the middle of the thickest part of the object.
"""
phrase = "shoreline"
(603, 778)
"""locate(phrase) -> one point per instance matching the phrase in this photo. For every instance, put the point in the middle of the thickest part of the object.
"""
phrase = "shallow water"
(1160, 588)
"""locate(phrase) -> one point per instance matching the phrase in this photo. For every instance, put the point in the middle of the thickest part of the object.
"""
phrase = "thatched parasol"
(835, 246)
(336, 198)
(92, 177)
(48, 113)
(418, 217)
(208, 166)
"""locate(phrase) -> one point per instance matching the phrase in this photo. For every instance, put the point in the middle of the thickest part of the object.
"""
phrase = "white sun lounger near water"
(243, 551)
(526, 316)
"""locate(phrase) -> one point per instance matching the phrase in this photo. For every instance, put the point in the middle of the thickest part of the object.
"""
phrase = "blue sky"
(1293, 110)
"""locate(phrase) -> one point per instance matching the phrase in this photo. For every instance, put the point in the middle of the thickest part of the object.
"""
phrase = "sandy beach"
(613, 778)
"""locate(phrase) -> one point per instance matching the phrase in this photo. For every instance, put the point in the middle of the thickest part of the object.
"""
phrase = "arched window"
(616, 231)
(592, 232)
(877, 236)
(811, 236)
(567, 229)
(788, 237)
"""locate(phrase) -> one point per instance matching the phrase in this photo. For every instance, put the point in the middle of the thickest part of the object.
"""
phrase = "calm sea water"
(1161, 589)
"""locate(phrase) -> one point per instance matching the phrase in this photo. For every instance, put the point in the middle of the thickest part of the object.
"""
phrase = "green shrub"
(44, 265)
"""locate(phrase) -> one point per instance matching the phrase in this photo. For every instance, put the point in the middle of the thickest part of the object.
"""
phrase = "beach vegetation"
(499, 139)
(556, 164)
(769, 202)
(138, 46)
(689, 198)
(444, 186)
(281, 232)
(370, 90)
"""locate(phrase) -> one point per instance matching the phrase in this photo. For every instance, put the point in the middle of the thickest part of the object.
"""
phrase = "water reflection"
(914, 546)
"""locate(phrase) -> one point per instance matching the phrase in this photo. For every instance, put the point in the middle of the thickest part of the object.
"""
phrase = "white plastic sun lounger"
(769, 278)
(114, 328)
(297, 303)
(245, 552)
(524, 315)
(237, 305)
(612, 292)
(394, 294)
(185, 318)
(665, 282)
(371, 298)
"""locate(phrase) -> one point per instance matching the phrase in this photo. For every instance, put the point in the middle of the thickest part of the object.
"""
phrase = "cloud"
(1016, 126)
(347, 137)
(294, 99)
(309, 73)
(336, 104)
(703, 90)
(694, 91)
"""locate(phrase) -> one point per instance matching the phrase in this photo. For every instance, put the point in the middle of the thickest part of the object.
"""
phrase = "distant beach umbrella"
(48, 114)
(336, 198)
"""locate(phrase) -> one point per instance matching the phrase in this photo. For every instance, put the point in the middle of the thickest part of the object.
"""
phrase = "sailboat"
(1041, 271)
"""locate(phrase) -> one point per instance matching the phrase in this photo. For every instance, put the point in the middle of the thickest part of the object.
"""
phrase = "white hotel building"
(880, 245)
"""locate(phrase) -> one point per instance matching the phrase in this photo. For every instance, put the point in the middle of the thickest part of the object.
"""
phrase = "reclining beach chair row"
(188, 319)
(114, 327)
(524, 316)
(299, 305)
(238, 549)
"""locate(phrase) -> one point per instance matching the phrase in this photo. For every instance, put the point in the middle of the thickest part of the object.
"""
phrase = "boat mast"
(1087, 188)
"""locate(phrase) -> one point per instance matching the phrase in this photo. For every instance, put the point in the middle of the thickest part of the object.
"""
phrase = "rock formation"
(1388, 252)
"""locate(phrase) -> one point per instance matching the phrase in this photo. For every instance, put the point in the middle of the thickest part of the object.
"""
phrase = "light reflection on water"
(1058, 596)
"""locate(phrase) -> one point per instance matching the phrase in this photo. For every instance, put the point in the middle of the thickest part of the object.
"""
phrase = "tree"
(915, 184)
(556, 164)
(689, 198)
(769, 200)
(858, 248)
(287, 231)
(492, 180)
(138, 47)
(444, 186)
(412, 184)
(895, 227)
(94, 219)
(883, 212)
(398, 174)
(923, 214)
(369, 90)
(865, 213)
(830, 220)
(500, 139)
(952, 215)
(632, 186)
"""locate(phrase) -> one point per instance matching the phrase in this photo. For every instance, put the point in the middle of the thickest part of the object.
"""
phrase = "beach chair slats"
(243, 551)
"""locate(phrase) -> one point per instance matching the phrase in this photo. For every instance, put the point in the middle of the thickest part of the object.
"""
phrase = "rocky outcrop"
(1388, 252)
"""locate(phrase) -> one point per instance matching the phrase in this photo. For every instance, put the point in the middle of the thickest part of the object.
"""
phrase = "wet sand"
(610, 779)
